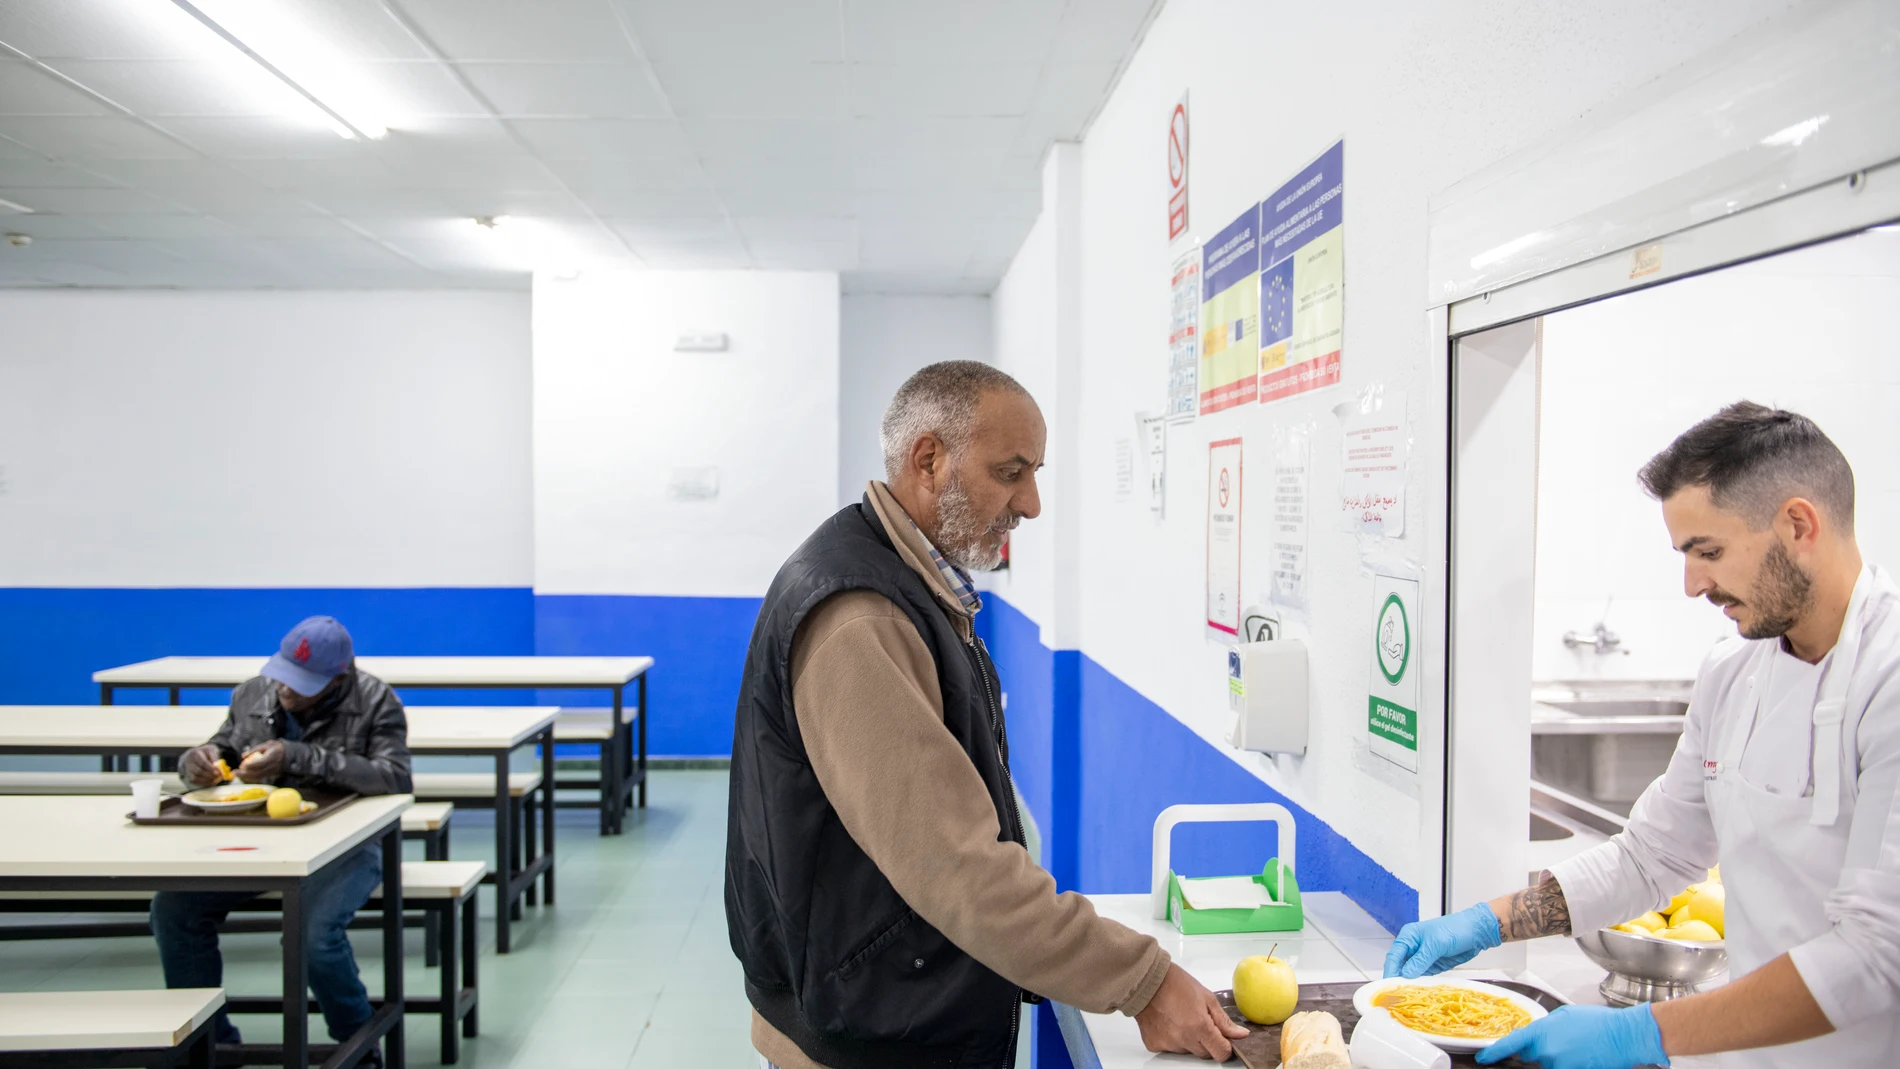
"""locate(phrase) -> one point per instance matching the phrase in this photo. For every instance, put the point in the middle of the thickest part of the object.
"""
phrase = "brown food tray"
(173, 812)
(1261, 1048)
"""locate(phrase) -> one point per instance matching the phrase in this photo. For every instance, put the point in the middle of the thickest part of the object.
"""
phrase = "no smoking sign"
(1178, 170)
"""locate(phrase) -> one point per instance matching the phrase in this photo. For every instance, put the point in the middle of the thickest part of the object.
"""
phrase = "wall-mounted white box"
(1267, 692)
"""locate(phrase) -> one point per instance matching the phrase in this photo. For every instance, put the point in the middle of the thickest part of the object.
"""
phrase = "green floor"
(630, 969)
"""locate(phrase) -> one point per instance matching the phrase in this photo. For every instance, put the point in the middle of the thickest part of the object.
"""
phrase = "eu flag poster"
(1303, 279)
(1230, 314)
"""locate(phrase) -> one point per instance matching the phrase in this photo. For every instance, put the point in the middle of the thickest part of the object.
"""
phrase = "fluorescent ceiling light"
(13, 206)
(299, 59)
(525, 245)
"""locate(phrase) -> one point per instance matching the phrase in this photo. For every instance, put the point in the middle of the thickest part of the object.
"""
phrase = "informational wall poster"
(1154, 439)
(1303, 279)
(1223, 536)
(1230, 314)
(1392, 697)
(1372, 479)
(1184, 333)
(1291, 464)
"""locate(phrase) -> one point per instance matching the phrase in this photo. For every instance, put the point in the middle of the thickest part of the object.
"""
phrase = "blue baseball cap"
(314, 653)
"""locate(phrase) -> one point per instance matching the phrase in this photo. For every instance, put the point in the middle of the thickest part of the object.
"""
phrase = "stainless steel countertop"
(1609, 707)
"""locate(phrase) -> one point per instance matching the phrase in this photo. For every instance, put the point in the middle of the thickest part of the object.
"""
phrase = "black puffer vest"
(833, 957)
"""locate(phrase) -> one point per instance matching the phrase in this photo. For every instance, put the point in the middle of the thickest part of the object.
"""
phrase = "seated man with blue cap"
(311, 719)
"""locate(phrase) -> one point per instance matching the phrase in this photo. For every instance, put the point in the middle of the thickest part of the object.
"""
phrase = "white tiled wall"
(1812, 331)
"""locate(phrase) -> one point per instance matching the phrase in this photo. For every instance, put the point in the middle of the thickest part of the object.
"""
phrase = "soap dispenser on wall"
(1267, 693)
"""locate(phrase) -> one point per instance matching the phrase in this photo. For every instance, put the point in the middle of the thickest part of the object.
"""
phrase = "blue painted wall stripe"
(1112, 760)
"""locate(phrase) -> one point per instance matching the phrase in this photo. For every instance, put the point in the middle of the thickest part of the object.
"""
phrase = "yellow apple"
(1693, 932)
(1265, 989)
(284, 803)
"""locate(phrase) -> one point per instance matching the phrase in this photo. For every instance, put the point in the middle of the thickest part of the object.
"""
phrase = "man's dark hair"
(1753, 459)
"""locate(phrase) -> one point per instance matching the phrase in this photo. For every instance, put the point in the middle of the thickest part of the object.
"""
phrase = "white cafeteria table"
(85, 843)
(494, 732)
(621, 772)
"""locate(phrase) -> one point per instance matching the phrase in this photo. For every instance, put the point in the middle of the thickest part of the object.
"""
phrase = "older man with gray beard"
(878, 892)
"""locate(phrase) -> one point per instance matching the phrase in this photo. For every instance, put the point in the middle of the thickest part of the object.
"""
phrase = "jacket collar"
(918, 553)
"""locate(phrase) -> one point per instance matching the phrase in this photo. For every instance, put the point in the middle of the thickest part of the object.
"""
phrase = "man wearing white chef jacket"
(1786, 774)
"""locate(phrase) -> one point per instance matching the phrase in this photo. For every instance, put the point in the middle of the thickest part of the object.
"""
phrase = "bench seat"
(427, 816)
(104, 1020)
(472, 784)
(82, 782)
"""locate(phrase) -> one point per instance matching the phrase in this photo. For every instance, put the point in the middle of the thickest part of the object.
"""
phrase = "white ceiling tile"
(155, 88)
(468, 203)
(567, 90)
(28, 90)
(929, 153)
(13, 150)
(349, 173)
(997, 239)
(355, 29)
(805, 31)
(513, 172)
(430, 136)
(218, 201)
(788, 230)
(642, 203)
(676, 230)
(1001, 31)
(196, 175)
(777, 200)
(87, 201)
(414, 89)
(290, 226)
(103, 29)
(261, 137)
(16, 174)
(689, 258)
(804, 255)
(164, 226)
(655, 141)
(100, 137)
(937, 245)
(1092, 30)
(545, 30)
(716, 86)
(1067, 97)
(44, 228)
(947, 89)
(347, 202)
(911, 281)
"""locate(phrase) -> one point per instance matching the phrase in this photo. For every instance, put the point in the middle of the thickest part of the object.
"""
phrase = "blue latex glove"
(1427, 947)
(1585, 1037)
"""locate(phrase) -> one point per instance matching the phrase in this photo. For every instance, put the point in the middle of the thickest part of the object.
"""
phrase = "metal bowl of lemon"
(230, 798)
(1663, 955)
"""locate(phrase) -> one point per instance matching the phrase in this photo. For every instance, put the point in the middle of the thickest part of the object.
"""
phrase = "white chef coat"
(1827, 894)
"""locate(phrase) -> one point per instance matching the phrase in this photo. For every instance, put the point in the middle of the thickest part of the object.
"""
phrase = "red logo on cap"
(303, 651)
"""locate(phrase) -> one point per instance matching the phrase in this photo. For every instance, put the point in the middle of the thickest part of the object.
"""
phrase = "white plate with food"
(1453, 1014)
(229, 798)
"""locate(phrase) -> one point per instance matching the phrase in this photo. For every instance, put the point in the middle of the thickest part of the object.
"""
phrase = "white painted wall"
(1423, 96)
(616, 411)
(883, 340)
(1810, 330)
(233, 439)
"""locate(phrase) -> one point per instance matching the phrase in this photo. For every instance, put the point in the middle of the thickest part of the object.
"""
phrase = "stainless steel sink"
(1605, 740)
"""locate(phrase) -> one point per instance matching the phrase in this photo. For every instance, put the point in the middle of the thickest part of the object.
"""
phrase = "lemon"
(1651, 922)
(1715, 874)
(1265, 990)
(1694, 932)
(1708, 905)
(1681, 900)
(284, 803)
(1631, 927)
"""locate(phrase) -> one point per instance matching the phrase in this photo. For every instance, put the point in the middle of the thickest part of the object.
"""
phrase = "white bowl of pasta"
(1451, 1013)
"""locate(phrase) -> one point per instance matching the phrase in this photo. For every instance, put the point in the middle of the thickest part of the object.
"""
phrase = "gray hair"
(1753, 459)
(940, 399)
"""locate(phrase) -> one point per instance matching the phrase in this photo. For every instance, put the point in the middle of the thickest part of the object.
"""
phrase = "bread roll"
(1312, 1040)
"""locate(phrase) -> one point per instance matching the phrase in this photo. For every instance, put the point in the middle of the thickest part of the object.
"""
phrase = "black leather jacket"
(356, 740)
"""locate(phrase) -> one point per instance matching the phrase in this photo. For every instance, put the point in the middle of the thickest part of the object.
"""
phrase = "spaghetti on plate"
(1448, 1010)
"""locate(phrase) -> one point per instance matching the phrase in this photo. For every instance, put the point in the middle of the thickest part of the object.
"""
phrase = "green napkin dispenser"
(1269, 902)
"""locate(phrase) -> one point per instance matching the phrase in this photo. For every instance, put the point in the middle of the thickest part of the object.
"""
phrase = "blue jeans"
(185, 923)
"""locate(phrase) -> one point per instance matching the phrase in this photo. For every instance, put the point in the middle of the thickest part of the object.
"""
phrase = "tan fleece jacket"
(867, 699)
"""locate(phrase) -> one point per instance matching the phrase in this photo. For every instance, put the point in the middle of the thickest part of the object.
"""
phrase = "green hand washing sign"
(1392, 698)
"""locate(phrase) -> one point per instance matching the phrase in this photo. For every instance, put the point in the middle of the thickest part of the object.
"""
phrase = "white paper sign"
(1292, 458)
(1372, 479)
(1124, 468)
(1392, 695)
(1223, 536)
(1184, 335)
(1154, 437)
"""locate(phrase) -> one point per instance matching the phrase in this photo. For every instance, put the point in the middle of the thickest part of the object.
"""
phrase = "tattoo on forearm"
(1539, 910)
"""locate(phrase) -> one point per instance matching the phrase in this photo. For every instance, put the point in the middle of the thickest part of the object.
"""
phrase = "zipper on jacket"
(987, 668)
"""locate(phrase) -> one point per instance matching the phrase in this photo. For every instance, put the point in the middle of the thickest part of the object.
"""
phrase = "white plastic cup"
(145, 797)
(1378, 1042)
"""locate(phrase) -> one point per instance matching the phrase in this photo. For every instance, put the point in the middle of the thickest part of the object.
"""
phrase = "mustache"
(1007, 523)
(1722, 598)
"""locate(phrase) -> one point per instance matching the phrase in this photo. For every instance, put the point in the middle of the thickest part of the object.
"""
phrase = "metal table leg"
(504, 852)
(547, 811)
(644, 708)
(296, 981)
(394, 1053)
(611, 788)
